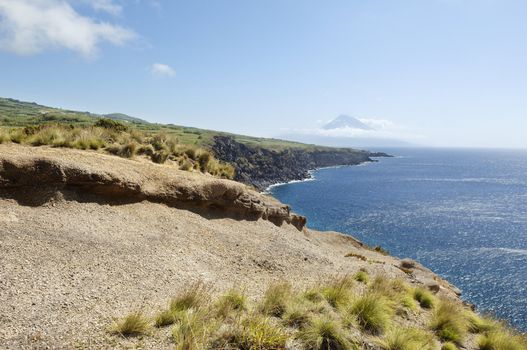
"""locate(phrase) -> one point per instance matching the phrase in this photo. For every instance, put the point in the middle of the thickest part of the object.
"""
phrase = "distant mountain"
(346, 131)
(345, 121)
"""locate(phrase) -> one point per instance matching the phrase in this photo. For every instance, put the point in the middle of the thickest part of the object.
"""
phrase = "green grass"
(193, 297)
(502, 339)
(133, 324)
(407, 339)
(254, 332)
(288, 318)
(425, 299)
(193, 330)
(449, 346)
(276, 299)
(339, 291)
(362, 276)
(231, 302)
(115, 138)
(325, 333)
(373, 312)
(449, 322)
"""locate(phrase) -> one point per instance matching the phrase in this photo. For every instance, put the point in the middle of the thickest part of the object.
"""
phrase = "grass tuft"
(133, 324)
(324, 333)
(407, 339)
(276, 299)
(449, 322)
(338, 292)
(193, 330)
(255, 332)
(231, 302)
(449, 346)
(502, 339)
(165, 318)
(373, 312)
(194, 296)
(425, 299)
(362, 276)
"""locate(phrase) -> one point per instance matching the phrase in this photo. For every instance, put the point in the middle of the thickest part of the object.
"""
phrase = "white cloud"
(162, 70)
(106, 6)
(32, 26)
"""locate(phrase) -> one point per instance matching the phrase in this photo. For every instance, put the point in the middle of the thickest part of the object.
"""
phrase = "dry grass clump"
(276, 299)
(362, 276)
(339, 291)
(407, 339)
(131, 325)
(121, 140)
(193, 330)
(231, 302)
(4, 136)
(373, 312)
(330, 316)
(325, 333)
(253, 332)
(502, 339)
(448, 321)
(425, 299)
(449, 346)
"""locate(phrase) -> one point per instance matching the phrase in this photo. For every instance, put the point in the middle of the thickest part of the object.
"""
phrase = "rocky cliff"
(261, 167)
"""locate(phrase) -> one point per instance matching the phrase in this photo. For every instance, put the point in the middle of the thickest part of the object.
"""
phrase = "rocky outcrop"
(262, 167)
(26, 171)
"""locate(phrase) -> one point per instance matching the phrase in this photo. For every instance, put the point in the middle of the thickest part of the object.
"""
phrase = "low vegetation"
(337, 315)
(116, 138)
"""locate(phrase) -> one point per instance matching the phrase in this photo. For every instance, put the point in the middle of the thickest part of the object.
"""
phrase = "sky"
(431, 72)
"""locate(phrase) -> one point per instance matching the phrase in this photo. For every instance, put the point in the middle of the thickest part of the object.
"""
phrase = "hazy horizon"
(449, 73)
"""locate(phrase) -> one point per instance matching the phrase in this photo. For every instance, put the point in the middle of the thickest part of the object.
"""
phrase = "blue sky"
(433, 72)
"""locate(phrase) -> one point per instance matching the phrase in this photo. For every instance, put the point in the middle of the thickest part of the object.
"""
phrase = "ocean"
(461, 213)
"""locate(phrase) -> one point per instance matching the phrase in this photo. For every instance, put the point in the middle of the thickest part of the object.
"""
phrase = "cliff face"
(262, 167)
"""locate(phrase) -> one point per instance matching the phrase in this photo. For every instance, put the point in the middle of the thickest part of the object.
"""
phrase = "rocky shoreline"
(261, 168)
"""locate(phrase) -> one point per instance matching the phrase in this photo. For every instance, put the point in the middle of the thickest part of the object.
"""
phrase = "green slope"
(14, 113)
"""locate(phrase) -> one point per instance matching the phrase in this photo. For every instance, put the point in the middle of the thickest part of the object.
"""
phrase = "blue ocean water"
(462, 213)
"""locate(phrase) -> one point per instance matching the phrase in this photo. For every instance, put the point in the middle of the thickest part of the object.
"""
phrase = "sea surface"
(462, 213)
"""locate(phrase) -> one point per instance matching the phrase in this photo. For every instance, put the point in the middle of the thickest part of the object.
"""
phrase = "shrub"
(324, 333)
(276, 299)
(448, 322)
(501, 340)
(373, 312)
(424, 297)
(147, 150)
(449, 346)
(194, 296)
(407, 339)
(132, 325)
(107, 123)
(362, 276)
(338, 292)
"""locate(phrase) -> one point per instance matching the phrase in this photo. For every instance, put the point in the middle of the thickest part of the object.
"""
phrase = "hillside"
(259, 162)
(88, 238)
